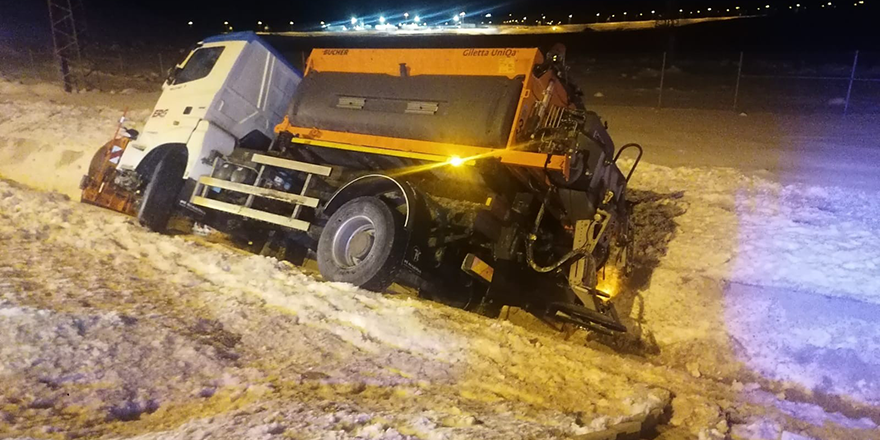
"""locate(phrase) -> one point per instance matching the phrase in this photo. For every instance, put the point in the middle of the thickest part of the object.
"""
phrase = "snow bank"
(115, 323)
(41, 89)
(792, 245)
(459, 364)
(752, 231)
(49, 146)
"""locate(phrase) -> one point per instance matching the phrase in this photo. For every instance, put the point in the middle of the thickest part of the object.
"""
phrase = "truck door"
(185, 100)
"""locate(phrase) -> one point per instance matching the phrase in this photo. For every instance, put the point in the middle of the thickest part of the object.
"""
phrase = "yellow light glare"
(456, 161)
(610, 280)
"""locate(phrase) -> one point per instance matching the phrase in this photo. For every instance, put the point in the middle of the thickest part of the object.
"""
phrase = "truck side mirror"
(172, 75)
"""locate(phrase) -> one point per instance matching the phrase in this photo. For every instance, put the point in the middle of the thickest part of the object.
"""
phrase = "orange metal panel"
(507, 156)
(508, 62)
(99, 188)
(532, 95)
(519, 118)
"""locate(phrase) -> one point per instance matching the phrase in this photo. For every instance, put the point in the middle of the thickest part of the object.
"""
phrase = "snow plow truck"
(474, 176)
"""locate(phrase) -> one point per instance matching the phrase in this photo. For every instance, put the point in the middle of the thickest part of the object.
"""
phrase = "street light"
(455, 18)
(406, 15)
(354, 20)
(381, 19)
(417, 19)
(189, 23)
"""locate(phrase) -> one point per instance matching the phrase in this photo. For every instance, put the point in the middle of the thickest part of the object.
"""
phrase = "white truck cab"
(230, 91)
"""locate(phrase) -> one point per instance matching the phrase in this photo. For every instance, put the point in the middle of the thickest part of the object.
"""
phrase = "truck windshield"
(199, 65)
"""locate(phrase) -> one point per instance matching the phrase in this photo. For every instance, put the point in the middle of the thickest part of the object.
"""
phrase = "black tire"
(160, 196)
(363, 243)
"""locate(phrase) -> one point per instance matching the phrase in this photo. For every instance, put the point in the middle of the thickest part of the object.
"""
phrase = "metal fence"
(107, 69)
(835, 82)
(776, 82)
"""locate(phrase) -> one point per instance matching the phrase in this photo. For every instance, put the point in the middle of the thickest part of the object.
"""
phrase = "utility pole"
(672, 7)
(67, 20)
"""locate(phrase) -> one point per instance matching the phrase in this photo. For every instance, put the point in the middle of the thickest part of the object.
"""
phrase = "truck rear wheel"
(363, 243)
(160, 196)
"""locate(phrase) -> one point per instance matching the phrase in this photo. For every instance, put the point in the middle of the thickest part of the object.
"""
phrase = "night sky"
(25, 22)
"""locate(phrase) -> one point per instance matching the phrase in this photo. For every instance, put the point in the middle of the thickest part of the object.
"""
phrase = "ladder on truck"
(205, 183)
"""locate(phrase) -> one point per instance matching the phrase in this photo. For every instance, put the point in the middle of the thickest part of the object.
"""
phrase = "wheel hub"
(353, 241)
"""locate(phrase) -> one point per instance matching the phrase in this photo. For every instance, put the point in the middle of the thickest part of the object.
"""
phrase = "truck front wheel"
(160, 196)
(363, 243)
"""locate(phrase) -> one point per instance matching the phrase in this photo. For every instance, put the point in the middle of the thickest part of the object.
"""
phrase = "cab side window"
(199, 65)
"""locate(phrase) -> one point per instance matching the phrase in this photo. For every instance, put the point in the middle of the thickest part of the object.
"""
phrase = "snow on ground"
(750, 262)
(47, 144)
(109, 330)
(265, 328)
(808, 149)
(754, 303)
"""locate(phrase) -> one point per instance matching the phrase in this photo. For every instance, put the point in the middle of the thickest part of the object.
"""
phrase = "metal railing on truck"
(205, 183)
